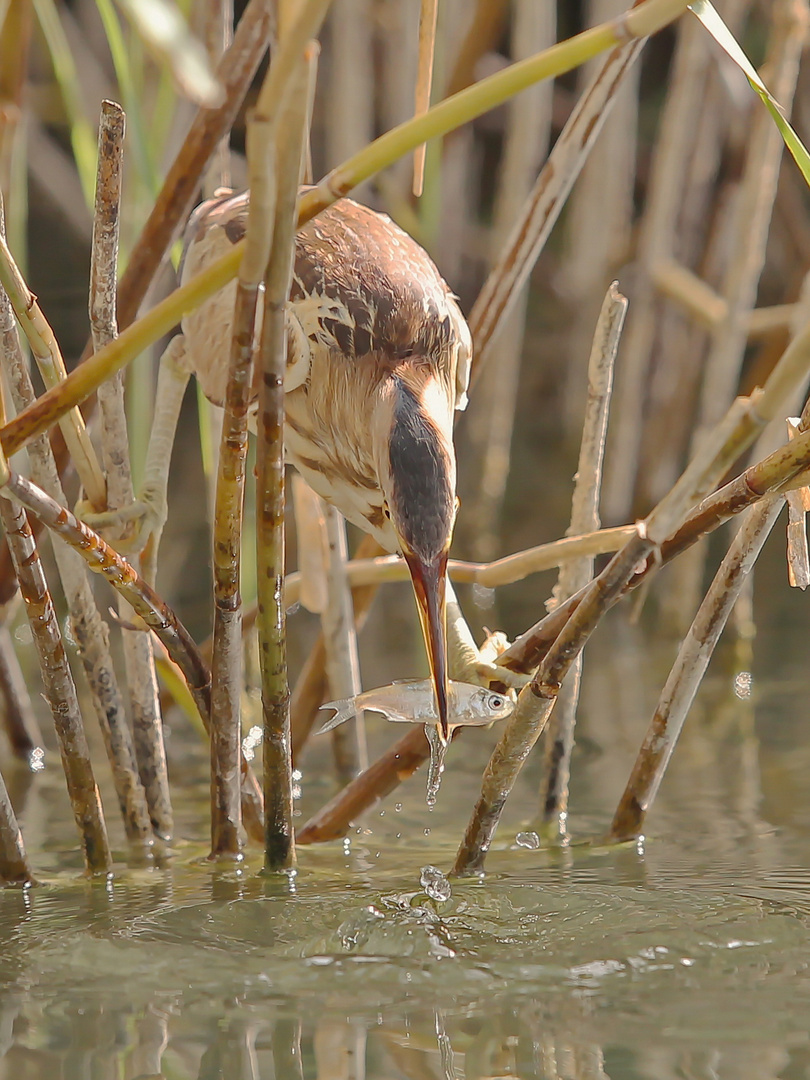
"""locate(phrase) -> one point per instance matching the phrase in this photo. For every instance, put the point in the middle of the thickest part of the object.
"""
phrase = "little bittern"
(378, 360)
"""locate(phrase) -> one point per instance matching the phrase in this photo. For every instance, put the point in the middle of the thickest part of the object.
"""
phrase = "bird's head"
(416, 464)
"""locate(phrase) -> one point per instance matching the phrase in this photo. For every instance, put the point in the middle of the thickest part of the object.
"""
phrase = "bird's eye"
(495, 701)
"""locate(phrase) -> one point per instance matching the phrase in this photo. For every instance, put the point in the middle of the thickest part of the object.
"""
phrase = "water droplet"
(435, 883)
(528, 840)
(742, 685)
(427, 832)
(398, 807)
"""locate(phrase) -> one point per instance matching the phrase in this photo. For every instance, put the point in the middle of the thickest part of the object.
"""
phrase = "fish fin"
(345, 709)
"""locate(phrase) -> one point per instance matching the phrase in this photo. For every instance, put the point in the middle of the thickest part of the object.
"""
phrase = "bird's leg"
(467, 662)
(140, 524)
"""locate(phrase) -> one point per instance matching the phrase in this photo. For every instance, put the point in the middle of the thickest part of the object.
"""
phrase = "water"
(435, 769)
(685, 956)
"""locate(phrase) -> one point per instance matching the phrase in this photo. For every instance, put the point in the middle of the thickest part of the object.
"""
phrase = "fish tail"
(345, 709)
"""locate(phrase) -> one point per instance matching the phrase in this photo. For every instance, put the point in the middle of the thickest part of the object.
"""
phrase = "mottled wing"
(362, 286)
(214, 227)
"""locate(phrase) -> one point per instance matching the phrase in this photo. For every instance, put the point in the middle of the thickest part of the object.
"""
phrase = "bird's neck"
(421, 464)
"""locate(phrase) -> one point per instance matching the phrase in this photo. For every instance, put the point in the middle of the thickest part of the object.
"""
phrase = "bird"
(378, 364)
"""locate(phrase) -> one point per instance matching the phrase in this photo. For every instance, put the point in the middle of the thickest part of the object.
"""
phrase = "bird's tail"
(345, 708)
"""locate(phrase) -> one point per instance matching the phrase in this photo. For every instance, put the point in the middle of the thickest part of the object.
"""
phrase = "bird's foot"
(130, 528)
(485, 674)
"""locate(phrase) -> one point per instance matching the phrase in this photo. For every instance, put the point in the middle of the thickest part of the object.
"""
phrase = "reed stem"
(576, 573)
(59, 688)
(279, 851)
(139, 761)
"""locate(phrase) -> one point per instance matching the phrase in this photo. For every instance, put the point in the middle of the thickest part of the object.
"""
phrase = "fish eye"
(495, 701)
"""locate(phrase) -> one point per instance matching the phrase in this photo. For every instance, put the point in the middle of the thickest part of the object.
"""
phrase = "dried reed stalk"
(656, 242)
(16, 26)
(103, 559)
(52, 368)
(511, 568)
(155, 613)
(599, 222)
(747, 231)
(279, 852)
(349, 98)
(19, 719)
(689, 668)
(750, 224)
(15, 868)
(218, 37)
(312, 687)
(386, 773)
(700, 113)
(784, 467)
(547, 198)
(576, 573)
(342, 658)
(235, 74)
(226, 668)
(649, 17)
(483, 35)
(59, 689)
(428, 14)
(492, 416)
(536, 701)
(311, 545)
(89, 629)
(139, 766)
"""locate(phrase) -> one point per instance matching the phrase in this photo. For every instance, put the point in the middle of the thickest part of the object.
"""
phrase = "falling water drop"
(436, 767)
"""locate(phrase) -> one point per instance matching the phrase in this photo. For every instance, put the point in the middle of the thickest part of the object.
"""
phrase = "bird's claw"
(486, 673)
(131, 527)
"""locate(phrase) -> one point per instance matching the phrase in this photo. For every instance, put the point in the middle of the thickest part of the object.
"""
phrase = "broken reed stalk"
(576, 573)
(342, 659)
(15, 868)
(279, 850)
(428, 14)
(646, 19)
(139, 764)
(720, 449)
(19, 719)
(52, 368)
(546, 200)
(59, 688)
(784, 468)
(312, 687)
(690, 666)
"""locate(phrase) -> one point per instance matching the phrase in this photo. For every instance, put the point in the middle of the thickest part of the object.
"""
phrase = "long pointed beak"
(428, 585)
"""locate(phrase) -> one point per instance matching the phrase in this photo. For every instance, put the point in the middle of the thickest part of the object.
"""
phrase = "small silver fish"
(412, 702)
